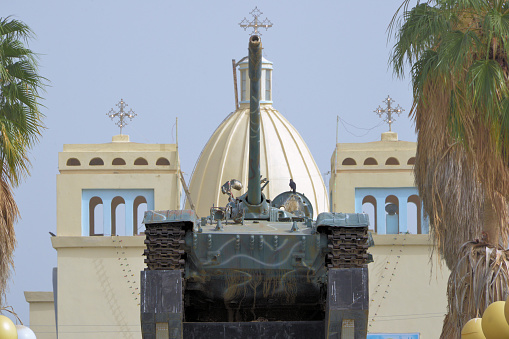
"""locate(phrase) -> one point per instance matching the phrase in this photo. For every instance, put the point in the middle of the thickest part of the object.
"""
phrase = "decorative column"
(129, 215)
(403, 213)
(380, 214)
(106, 215)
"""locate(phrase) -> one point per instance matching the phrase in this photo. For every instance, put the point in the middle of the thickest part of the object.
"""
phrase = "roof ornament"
(121, 115)
(389, 111)
(255, 23)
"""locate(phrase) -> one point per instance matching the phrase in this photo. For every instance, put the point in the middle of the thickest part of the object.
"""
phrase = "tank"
(256, 259)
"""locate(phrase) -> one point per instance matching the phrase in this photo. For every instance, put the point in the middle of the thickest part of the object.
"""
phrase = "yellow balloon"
(494, 325)
(7, 328)
(506, 310)
(472, 330)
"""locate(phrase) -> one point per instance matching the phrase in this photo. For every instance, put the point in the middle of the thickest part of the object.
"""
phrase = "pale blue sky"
(171, 59)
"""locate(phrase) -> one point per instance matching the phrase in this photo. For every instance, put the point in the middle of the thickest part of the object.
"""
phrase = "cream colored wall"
(70, 187)
(42, 314)
(345, 178)
(163, 179)
(406, 293)
(98, 286)
(98, 277)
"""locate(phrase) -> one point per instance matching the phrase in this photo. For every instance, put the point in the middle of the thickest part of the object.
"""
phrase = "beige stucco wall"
(345, 178)
(42, 314)
(98, 276)
(163, 179)
(98, 286)
(407, 294)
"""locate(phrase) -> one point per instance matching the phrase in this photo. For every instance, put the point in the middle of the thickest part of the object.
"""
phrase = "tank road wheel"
(348, 247)
(165, 247)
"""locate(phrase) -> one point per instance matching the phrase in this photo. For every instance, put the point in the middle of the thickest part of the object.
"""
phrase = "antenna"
(235, 87)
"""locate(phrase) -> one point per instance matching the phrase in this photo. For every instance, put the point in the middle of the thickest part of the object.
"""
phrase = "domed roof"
(283, 155)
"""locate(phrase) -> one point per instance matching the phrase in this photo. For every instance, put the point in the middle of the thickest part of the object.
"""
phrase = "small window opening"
(118, 161)
(73, 162)
(118, 216)
(392, 161)
(349, 162)
(414, 214)
(162, 162)
(392, 214)
(243, 85)
(267, 85)
(139, 209)
(95, 216)
(369, 207)
(411, 161)
(140, 161)
(96, 162)
(370, 162)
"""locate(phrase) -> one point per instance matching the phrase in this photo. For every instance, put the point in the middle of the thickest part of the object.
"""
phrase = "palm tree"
(20, 128)
(458, 51)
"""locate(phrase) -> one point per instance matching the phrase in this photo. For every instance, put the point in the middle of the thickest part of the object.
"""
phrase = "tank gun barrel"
(254, 193)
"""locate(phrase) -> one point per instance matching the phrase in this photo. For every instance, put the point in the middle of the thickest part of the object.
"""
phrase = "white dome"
(283, 155)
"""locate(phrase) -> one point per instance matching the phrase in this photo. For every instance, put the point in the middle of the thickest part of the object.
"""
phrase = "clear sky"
(170, 59)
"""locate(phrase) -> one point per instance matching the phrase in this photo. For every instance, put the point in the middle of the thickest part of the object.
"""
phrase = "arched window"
(414, 214)
(139, 209)
(267, 85)
(392, 214)
(162, 162)
(348, 162)
(73, 162)
(411, 161)
(370, 161)
(243, 85)
(369, 207)
(140, 161)
(118, 161)
(118, 216)
(392, 161)
(96, 162)
(95, 216)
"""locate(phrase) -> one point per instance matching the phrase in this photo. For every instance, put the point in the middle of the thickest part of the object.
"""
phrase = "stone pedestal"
(346, 313)
(161, 303)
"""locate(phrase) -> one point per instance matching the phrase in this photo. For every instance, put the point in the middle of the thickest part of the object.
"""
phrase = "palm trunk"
(491, 223)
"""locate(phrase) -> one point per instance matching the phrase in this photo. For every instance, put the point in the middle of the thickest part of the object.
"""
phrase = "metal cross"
(255, 24)
(121, 114)
(389, 111)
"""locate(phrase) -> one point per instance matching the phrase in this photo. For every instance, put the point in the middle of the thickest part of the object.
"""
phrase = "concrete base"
(346, 313)
(255, 330)
(161, 303)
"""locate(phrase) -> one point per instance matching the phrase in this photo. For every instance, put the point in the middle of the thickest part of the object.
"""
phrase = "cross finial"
(255, 23)
(389, 110)
(121, 115)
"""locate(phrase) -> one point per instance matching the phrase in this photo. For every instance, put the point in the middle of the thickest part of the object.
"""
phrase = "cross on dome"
(255, 23)
(121, 115)
(389, 110)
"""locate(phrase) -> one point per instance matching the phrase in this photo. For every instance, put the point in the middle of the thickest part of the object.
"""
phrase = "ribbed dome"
(283, 155)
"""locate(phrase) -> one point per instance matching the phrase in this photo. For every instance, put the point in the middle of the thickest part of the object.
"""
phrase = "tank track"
(348, 247)
(165, 244)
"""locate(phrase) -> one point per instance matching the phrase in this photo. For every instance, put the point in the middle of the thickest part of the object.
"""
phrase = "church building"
(103, 192)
